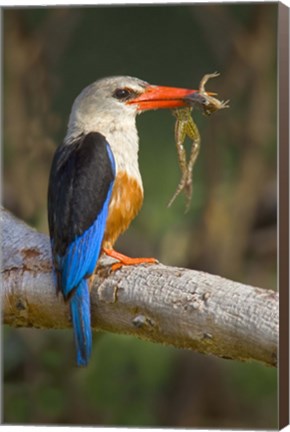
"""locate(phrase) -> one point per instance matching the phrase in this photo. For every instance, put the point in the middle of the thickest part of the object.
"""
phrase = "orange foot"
(125, 260)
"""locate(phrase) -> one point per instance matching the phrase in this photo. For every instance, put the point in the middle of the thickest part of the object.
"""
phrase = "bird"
(95, 187)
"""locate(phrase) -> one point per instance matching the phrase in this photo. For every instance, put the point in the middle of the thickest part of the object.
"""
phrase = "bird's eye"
(123, 94)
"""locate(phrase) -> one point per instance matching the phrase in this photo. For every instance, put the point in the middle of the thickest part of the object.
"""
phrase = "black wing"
(80, 186)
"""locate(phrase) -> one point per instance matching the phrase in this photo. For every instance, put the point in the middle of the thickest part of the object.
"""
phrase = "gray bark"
(176, 306)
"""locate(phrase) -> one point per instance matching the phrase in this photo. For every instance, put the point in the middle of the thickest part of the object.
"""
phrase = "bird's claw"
(124, 260)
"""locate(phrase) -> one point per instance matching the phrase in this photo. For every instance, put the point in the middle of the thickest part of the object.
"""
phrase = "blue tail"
(81, 318)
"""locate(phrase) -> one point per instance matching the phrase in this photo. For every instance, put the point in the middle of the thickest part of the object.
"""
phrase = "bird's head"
(113, 103)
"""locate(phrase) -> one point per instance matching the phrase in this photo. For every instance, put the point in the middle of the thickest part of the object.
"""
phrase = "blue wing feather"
(81, 318)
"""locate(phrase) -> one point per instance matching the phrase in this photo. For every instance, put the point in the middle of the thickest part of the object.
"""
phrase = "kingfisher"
(95, 187)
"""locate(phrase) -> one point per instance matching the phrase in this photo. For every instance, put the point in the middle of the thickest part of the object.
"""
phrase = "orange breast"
(126, 201)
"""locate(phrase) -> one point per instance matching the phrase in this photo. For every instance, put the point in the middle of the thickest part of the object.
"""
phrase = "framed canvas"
(187, 341)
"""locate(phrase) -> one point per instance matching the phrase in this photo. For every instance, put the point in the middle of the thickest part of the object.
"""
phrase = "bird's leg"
(125, 260)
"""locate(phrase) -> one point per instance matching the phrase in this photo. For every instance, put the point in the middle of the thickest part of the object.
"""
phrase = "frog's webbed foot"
(205, 100)
(205, 79)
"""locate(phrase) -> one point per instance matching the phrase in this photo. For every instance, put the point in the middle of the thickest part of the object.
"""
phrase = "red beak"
(155, 97)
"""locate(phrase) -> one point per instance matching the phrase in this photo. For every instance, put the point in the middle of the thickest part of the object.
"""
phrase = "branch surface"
(176, 306)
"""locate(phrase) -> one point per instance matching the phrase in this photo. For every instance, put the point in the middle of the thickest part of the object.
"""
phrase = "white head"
(101, 106)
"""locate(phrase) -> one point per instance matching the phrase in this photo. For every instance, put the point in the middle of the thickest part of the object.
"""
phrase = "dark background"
(50, 54)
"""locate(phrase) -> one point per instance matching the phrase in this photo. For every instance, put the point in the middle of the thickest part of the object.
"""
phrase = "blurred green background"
(50, 54)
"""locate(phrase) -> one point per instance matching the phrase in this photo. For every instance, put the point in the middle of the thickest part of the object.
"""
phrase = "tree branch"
(176, 306)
